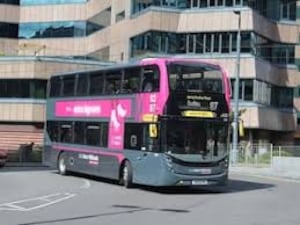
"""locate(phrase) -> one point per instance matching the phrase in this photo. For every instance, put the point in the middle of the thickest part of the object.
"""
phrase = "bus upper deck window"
(148, 83)
(150, 79)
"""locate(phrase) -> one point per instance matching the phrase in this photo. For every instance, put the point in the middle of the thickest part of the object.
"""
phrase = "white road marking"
(86, 184)
(36, 203)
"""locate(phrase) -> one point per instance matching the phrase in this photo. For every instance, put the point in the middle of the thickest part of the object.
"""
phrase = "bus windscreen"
(196, 138)
(195, 77)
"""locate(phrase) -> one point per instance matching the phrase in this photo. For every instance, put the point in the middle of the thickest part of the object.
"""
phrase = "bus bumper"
(172, 179)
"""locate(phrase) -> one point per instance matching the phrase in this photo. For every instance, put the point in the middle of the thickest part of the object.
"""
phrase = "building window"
(225, 42)
(8, 30)
(282, 97)
(10, 2)
(139, 5)
(288, 9)
(49, 2)
(23, 88)
(275, 10)
(120, 16)
(245, 42)
(264, 93)
(218, 43)
(245, 89)
(57, 29)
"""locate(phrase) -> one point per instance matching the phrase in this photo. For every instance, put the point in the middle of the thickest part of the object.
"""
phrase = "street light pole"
(236, 92)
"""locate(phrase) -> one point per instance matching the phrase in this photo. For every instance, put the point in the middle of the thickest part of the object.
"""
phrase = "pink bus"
(157, 122)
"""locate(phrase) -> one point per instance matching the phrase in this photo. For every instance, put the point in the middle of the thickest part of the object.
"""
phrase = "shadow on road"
(233, 186)
(125, 209)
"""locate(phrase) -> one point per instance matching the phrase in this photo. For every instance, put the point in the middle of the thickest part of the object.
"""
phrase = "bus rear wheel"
(61, 165)
(127, 175)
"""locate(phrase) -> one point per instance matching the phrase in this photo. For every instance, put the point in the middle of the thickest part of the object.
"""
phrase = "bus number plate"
(199, 182)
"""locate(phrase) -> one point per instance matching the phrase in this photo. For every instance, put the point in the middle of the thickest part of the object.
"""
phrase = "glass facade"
(265, 93)
(273, 9)
(139, 5)
(65, 28)
(50, 2)
(40, 2)
(57, 29)
(23, 88)
(208, 43)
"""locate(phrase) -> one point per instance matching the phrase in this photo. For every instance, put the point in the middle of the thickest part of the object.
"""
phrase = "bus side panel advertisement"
(116, 110)
(92, 108)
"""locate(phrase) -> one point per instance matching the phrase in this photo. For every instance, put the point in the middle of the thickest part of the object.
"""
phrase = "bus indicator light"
(150, 118)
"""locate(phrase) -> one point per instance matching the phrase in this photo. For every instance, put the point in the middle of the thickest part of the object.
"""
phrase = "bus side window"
(96, 83)
(137, 137)
(55, 86)
(93, 134)
(113, 82)
(68, 85)
(104, 134)
(133, 136)
(132, 80)
(53, 130)
(79, 133)
(150, 79)
(82, 85)
(66, 132)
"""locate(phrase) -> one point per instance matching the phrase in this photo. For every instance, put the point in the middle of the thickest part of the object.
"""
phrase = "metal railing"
(261, 155)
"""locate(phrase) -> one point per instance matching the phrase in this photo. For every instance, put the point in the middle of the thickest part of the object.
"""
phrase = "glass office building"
(68, 32)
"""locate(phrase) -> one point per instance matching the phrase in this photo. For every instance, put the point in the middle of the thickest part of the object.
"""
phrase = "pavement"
(265, 171)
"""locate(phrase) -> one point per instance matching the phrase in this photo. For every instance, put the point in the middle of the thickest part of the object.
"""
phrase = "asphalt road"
(39, 196)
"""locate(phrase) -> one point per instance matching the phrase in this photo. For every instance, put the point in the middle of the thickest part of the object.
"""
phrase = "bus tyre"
(127, 175)
(61, 165)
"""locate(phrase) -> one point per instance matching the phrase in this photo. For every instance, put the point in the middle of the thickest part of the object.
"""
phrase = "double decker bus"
(156, 122)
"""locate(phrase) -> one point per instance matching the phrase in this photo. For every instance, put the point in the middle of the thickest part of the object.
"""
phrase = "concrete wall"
(286, 165)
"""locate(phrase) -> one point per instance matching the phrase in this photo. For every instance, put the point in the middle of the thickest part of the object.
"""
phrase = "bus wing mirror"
(153, 130)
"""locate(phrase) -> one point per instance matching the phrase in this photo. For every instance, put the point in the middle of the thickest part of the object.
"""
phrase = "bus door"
(141, 149)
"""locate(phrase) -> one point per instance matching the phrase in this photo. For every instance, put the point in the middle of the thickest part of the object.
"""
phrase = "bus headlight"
(169, 162)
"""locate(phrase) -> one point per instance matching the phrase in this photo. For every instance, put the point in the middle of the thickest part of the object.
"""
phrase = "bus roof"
(144, 61)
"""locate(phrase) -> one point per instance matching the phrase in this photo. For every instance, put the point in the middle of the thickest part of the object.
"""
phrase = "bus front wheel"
(127, 175)
(61, 165)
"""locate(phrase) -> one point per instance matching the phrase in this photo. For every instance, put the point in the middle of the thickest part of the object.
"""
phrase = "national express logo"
(117, 116)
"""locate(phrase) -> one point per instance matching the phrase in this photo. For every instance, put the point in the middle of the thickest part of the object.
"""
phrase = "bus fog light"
(184, 182)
